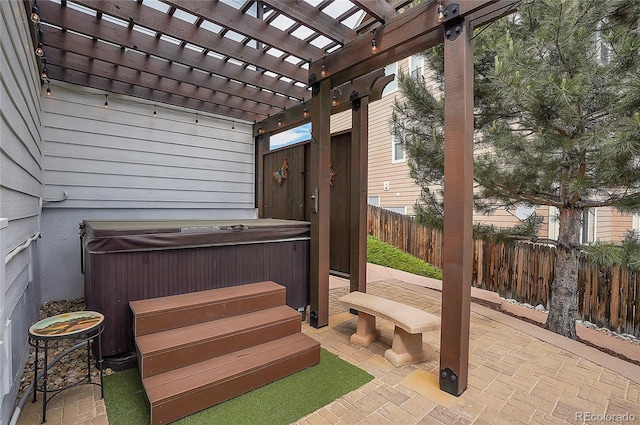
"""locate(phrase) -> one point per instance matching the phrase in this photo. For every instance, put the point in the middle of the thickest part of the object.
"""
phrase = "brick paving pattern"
(518, 374)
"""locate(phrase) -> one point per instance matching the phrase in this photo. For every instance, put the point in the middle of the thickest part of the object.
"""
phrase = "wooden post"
(359, 177)
(262, 146)
(320, 164)
(458, 207)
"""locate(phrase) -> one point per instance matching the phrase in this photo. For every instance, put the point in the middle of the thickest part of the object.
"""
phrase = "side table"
(86, 328)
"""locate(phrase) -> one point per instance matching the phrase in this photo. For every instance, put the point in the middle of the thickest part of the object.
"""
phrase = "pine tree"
(557, 100)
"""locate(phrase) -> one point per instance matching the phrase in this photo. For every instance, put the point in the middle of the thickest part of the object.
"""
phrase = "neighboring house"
(65, 158)
(390, 186)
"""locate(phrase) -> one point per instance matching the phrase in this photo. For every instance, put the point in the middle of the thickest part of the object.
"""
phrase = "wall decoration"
(281, 175)
(332, 174)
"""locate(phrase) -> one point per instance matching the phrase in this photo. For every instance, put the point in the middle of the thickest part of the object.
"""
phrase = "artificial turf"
(280, 402)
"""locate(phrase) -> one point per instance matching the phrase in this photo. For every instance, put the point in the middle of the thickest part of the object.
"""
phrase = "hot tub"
(139, 259)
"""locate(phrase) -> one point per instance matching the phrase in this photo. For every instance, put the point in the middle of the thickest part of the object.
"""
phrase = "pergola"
(279, 64)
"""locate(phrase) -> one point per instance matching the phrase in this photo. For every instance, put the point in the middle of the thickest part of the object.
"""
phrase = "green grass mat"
(280, 402)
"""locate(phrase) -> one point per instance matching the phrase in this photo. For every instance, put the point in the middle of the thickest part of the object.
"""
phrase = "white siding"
(21, 187)
(124, 157)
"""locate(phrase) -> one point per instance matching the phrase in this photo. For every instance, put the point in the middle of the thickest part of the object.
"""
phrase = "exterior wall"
(21, 186)
(124, 162)
(612, 225)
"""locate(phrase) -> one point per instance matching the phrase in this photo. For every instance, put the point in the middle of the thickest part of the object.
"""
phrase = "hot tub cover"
(109, 236)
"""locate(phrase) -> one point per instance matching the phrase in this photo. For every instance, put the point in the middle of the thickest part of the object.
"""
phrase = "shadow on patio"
(518, 373)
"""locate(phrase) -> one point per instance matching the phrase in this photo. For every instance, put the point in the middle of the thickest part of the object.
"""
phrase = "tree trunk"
(563, 307)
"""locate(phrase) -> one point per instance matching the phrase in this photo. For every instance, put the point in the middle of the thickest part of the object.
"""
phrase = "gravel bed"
(630, 338)
(71, 368)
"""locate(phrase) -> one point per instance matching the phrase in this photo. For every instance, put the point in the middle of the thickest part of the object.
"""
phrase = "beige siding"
(618, 224)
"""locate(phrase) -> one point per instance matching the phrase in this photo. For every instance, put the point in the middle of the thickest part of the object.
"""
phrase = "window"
(392, 68)
(373, 200)
(554, 216)
(588, 230)
(399, 210)
(397, 150)
(415, 66)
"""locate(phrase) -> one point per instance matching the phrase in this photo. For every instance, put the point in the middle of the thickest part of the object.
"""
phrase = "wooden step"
(182, 392)
(160, 314)
(162, 351)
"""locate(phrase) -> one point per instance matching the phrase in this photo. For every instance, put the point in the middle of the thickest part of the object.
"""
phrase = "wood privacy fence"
(607, 296)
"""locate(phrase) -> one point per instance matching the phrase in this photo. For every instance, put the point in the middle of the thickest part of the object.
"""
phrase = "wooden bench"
(409, 322)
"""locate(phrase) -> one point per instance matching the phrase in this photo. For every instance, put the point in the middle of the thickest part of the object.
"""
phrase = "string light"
(323, 72)
(48, 88)
(155, 111)
(440, 12)
(44, 75)
(197, 122)
(35, 13)
(40, 49)
(306, 113)
(261, 130)
(279, 121)
(374, 45)
(233, 125)
(106, 101)
(334, 101)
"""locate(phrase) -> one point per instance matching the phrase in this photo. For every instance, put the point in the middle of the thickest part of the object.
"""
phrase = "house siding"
(124, 157)
(21, 188)
(122, 162)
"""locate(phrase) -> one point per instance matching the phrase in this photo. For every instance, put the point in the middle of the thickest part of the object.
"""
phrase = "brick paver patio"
(518, 374)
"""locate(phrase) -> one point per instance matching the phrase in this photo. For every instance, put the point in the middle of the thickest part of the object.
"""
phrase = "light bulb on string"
(40, 48)
(48, 88)
(106, 101)
(155, 111)
(35, 14)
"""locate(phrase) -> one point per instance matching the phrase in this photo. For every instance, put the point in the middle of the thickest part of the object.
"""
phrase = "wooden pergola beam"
(416, 23)
(154, 82)
(153, 96)
(154, 20)
(379, 9)
(370, 85)
(139, 42)
(257, 29)
(320, 22)
(58, 41)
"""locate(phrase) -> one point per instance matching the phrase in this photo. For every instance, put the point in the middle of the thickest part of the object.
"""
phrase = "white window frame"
(392, 87)
(588, 228)
(635, 222)
(394, 158)
(399, 210)
(554, 223)
(416, 63)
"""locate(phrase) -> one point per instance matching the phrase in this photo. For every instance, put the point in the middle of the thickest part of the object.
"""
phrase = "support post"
(359, 176)
(458, 207)
(320, 164)
(262, 146)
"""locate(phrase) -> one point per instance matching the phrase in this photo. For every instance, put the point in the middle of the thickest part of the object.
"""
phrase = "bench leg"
(366, 332)
(406, 348)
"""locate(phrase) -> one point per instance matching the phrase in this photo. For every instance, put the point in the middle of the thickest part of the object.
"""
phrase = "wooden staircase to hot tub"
(199, 349)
